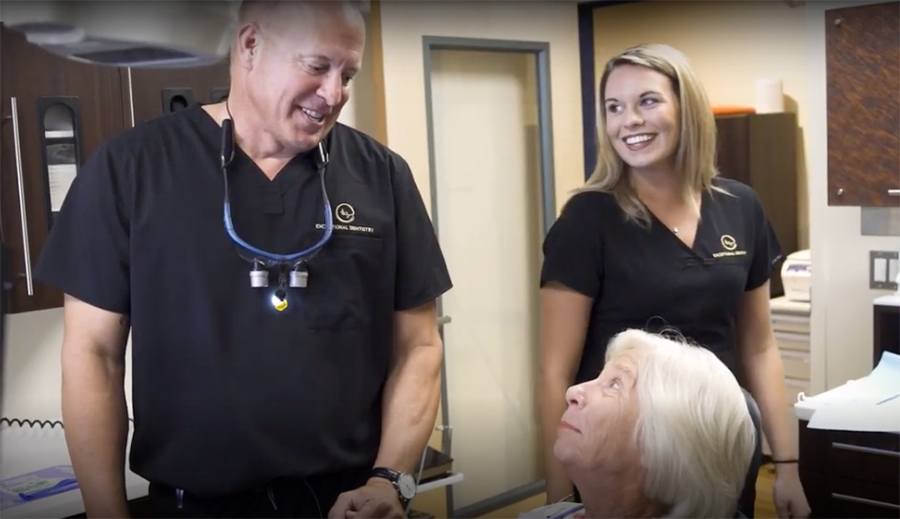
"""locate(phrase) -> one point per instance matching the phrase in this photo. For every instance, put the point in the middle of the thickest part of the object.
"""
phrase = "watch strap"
(394, 477)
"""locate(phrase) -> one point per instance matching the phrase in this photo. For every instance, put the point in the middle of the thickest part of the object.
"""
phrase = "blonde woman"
(656, 237)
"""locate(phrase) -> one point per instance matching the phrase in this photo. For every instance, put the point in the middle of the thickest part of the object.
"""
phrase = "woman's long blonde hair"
(695, 158)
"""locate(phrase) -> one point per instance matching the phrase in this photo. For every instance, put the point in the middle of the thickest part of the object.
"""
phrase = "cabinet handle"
(865, 450)
(854, 499)
(130, 97)
(894, 192)
(13, 103)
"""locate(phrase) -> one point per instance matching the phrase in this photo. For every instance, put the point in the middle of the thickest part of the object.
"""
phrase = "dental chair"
(748, 495)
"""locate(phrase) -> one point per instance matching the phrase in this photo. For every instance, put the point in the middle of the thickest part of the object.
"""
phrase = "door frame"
(541, 54)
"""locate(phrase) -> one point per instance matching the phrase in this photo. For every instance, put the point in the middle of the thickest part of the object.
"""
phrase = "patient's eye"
(614, 383)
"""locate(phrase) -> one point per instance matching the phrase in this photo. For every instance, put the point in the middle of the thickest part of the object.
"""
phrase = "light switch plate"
(880, 262)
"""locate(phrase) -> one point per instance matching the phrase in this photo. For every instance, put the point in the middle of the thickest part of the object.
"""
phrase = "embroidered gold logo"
(728, 242)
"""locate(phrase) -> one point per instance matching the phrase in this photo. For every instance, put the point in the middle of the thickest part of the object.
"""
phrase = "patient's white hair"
(694, 431)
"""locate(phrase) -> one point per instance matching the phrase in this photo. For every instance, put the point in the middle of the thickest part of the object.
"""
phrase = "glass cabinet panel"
(60, 138)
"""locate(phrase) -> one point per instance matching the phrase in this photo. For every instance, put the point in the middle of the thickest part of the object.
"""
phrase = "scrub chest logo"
(728, 242)
(731, 247)
(345, 213)
(345, 216)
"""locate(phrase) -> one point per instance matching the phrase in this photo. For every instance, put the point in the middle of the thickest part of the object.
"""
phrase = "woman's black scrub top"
(647, 278)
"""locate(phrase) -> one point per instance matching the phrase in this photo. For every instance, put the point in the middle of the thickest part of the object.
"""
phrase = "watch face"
(406, 485)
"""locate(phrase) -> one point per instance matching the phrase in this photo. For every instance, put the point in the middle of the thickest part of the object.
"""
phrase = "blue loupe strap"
(271, 258)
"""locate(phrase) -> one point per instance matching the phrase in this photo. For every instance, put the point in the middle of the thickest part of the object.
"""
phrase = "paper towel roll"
(769, 98)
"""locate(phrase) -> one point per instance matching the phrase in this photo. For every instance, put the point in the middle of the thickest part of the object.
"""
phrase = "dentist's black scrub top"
(649, 279)
(228, 393)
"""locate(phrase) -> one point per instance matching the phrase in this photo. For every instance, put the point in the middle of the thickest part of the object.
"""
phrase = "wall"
(365, 108)
(403, 25)
(730, 45)
(32, 376)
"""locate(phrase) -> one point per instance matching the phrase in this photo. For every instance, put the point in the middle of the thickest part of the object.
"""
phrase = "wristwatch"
(403, 482)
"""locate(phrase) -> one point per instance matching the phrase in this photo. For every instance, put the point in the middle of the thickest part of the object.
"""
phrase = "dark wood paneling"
(149, 87)
(30, 73)
(863, 66)
(886, 327)
(732, 147)
(870, 473)
(760, 150)
(773, 174)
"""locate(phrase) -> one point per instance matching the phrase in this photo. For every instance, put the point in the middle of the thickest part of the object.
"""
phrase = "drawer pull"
(854, 499)
(865, 450)
(893, 192)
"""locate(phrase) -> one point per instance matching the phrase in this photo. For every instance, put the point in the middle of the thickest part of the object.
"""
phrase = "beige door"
(488, 213)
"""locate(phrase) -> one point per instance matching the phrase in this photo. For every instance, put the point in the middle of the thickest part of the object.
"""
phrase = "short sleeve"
(766, 249)
(421, 270)
(573, 250)
(86, 253)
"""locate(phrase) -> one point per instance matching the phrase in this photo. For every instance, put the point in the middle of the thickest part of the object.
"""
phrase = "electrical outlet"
(883, 269)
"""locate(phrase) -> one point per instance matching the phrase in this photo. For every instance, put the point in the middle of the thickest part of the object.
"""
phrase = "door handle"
(23, 213)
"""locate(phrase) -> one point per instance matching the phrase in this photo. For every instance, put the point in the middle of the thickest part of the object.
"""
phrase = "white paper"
(871, 403)
(61, 178)
(25, 449)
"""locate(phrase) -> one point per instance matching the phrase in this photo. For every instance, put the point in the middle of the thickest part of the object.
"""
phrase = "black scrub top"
(647, 278)
(228, 393)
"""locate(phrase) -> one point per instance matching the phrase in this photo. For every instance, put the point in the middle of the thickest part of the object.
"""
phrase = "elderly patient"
(664, 431)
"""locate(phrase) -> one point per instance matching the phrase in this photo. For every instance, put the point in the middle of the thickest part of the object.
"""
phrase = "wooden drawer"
(850, 474)
(790, 323)
(854, 498)
(796, 364)
(792, 341)
(872, 457)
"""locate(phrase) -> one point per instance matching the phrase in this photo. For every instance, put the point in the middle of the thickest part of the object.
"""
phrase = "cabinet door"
(760, 151)
(154, 92)
(40, 86)
(863, 66)
(733, 147)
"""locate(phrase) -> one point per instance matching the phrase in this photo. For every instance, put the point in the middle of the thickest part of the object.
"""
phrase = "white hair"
(694, 430)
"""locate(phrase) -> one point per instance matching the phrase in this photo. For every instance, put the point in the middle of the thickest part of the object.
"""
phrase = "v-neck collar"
(693, 248)
(289, 174)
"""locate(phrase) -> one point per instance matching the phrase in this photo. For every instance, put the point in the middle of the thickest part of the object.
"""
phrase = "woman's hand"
(787, 493)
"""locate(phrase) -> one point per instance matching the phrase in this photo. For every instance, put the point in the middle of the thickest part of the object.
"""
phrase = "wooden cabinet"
(850, 474)
(157, 91)
(37, 91)
(760, 150)
(856, 474)
(55, 113)
(862, 46)
(886, 326)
